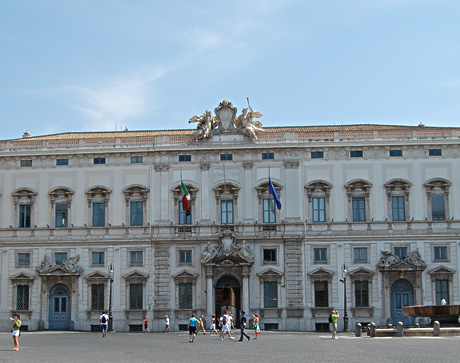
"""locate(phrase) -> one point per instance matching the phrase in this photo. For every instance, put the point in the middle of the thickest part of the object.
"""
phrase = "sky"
(107, 65)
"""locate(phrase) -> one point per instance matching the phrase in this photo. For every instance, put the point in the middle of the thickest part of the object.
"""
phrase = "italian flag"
(185, 197)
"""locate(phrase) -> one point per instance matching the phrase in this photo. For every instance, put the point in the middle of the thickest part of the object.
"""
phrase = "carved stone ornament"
(228, 249)
(389, 261)
(68, 267)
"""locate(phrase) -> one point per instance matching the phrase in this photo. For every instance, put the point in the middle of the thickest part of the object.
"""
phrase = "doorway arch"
(402, 294)
(59, 307)
(228, 296)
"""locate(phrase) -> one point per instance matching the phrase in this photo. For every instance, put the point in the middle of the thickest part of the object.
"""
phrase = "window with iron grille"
(24, 216)
(361, 293)
(269, 212)
(136, 213)
(226, 211)
(97, 258)
(136, 257)
(270, 294)
(23, 259)
(22, 297)
(61, 214)
(321, 294)
(97, 297)
(442, 291)
(185, 295)
(136, 296)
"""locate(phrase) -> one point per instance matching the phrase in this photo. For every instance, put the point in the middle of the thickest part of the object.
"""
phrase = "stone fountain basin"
(431, 310)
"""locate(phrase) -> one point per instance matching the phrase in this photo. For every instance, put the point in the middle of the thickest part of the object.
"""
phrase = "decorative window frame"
(30, 252)
(226, 191)
(320, 262)
(263, 192)
(17, 280)
(96, 278)
(361, 274)
(128, 257)
(185, 277)
(185, 248)
(271, 263)
(398, 187)
(360, 262)
(135, 277)
(315, 189)
(320, 274)
(177, 197)
(60, 195)
(447, 245)
(90, 257)
(441, 273)
(358, 188)
(24, 196)
(136, 193)
(270, 275)
(98, 194)
(437, 186)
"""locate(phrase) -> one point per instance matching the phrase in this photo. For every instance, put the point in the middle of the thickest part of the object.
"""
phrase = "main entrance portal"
(59, 308)
(228, 297)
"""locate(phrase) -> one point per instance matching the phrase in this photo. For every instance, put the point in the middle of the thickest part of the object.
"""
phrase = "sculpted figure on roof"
(206, 122)
(247, 125)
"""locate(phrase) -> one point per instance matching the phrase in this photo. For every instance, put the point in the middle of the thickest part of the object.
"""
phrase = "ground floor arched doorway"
(402, 294)
(228, 296)
(59, 307)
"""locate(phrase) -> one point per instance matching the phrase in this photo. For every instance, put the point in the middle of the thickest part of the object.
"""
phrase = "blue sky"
(104, 65)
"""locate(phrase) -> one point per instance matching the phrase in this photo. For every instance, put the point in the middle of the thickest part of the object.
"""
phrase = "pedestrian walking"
(333, 320)
(146, 325)
(243, 326)
(103, 323)
(255, 318)
(213, 324)
(201, 325)
(16, 331)
(192, 323)
(167, 327)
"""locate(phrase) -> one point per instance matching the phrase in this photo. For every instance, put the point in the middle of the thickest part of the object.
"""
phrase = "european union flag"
(272, 191)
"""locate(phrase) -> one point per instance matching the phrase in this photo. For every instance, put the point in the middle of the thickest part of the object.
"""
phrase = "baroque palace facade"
(369, 223)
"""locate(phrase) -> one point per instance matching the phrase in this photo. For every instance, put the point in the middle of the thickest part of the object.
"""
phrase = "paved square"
(272, 346)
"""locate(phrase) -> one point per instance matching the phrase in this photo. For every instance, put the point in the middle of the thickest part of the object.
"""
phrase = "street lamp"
(345, 312)
(110, 269)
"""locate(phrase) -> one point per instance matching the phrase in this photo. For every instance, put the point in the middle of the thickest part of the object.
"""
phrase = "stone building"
(95, 221)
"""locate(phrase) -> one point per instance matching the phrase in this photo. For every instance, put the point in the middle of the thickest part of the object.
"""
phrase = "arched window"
(98, 205)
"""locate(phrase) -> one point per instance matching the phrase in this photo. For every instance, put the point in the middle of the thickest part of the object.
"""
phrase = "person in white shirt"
(103, 323)
(167, 327)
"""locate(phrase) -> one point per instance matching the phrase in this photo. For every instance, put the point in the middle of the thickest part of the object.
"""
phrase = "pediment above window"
(185, 277)
(135, 275)
(270, 275)
(321, 274)
(22, 277)
(442, 273)
(97, 276)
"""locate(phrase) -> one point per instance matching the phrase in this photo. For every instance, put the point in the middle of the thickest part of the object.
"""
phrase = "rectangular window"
(60, 257)
(25, 163)
(440, 253)
(62, 162)
(99, 160)
(23, 259)
(97, 258)
(136, 296)
(356, 153)
(98, 214)
(321, 294)
(185, 216)
(137, 159)
(360, 254)
(97, 297)
(61, 214)
(185, 256)
(361, 294)
(268, 156)
(401, 252)
(317, 154)
(435, 152)
(22, 297)
(319, 209)
(320, 254)
(358, 206)
(270, 294)
(270, 255)
(185, 157)
(185, 295)
(438, 207)
(398, 207)
(269, 212)
(136, 257)
(442, 291)
(226, 211)
(136, 213)
(226, 157)
(395, 153)
(24, 216)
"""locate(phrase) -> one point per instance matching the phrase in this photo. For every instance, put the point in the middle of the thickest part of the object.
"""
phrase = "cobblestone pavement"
(272, 346)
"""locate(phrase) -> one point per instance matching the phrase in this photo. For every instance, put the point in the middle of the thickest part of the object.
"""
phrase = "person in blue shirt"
(243, 325)
(192, 323)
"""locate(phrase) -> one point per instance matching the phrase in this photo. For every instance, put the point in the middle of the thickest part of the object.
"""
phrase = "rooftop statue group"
(244, 122)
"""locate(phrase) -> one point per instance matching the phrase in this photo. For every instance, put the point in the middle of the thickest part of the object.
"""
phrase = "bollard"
(357, 330)
(400, 330)
(436, 329)
(368, 330)
(372, 330)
